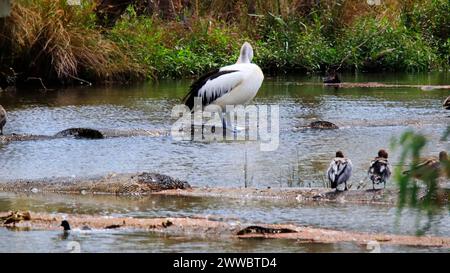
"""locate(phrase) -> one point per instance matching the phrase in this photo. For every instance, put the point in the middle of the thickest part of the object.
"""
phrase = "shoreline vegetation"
(53, 43)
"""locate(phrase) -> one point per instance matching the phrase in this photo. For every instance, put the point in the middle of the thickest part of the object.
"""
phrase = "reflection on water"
(368, 119)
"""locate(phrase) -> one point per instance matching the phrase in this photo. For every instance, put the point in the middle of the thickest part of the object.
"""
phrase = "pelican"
(446, 103)
(429, 166)
(234, 84)
(2, 119)
(380, 170)
(339, 171)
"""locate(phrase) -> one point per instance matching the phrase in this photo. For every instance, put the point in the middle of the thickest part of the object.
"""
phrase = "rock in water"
(321, 124)
(264, 230)
(2, 119)
(158, 182)
(81, 133)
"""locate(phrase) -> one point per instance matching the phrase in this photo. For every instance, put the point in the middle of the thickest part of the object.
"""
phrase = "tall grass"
(52, 40)
(183, 38)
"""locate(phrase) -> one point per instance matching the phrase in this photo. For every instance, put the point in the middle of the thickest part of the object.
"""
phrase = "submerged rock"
(321, 124)
(157, 182)
(264, 230)
(80, 133)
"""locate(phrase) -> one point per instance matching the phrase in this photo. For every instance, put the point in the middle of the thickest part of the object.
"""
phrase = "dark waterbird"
(65, 225)
(379, 170)
(332, 77)
(2, 119)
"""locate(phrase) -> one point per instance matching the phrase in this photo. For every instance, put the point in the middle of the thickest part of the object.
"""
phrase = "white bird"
(234, 84)
(339, 171)
(380, 169)
(2, 119)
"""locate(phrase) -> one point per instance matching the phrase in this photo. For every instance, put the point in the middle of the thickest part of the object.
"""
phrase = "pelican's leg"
(345, 189)
(373, 185)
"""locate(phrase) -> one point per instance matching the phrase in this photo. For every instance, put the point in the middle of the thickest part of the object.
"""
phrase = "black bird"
(2, 119)
(7, 77)
(332, 78)
(379, 170)
(65, 225)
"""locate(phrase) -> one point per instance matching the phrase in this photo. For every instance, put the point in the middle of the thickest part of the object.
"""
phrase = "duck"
(332, 77)
(16, 217)
(340, 171)
(446, 103)
(65, 224)
(380, 169)
(235, 84)
(2, 119)
(429, 166)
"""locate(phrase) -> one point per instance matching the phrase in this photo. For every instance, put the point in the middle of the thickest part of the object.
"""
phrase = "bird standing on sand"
(430, 166)
(234, 84)
(446, 103)
(380, 170)
(339, 171)
(2, 119)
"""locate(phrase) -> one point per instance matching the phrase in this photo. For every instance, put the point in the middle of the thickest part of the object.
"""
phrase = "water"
(368, 119)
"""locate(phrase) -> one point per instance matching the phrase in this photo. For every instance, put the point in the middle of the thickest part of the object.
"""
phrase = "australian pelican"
(339, 171)
(234, 84)
(446, 103)
(379, 170)
(2, 119)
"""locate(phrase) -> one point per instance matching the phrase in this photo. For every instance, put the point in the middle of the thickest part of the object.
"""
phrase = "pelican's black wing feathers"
(188, 100)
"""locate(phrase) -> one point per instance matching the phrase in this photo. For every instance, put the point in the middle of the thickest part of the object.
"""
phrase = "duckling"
(339, 171)
(446, 103)
(429, 166)
(15, 217)
(2, 119)
(379, 170)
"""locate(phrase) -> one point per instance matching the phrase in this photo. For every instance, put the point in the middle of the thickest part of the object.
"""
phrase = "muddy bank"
(84, 133)
(207, 227)
(151, 184)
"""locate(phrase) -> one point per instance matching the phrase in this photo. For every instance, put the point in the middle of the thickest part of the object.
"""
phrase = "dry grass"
(50, 40)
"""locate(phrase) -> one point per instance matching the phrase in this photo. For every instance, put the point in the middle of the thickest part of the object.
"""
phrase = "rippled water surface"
(368, 119)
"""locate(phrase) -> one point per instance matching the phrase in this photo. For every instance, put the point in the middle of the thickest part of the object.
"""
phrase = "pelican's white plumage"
(339, 171)
(230, 85)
